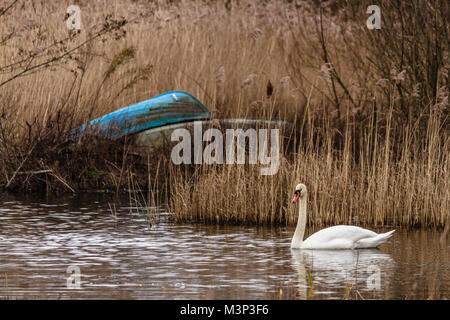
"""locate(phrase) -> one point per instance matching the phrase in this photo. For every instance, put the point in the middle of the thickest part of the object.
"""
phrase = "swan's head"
(300, 192)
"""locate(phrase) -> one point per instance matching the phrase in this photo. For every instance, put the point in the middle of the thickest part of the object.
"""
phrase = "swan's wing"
(337, 237)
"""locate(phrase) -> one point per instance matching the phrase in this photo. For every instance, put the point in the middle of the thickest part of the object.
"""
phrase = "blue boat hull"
(167, 108)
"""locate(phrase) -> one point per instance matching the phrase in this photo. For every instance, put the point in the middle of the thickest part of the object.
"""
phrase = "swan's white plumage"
(344, 237)
(337, 237)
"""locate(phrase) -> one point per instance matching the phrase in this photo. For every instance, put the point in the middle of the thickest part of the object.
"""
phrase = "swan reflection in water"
(332, 272)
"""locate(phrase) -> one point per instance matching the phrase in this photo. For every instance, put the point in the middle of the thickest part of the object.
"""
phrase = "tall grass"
(376, 191)
(369, 108)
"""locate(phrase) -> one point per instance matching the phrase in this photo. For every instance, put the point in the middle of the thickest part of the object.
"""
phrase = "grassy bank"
(369, 108)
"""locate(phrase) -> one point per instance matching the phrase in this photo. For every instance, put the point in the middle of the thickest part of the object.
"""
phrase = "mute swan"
(337, 237)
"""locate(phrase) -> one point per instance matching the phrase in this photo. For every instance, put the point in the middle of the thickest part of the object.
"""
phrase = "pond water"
(81, 247)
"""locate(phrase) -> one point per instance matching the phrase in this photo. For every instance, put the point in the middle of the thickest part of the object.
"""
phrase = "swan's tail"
(384, 236)
(375, 241)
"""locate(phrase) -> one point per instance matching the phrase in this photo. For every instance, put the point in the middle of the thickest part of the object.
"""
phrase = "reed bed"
(369, 108)
(375, 192)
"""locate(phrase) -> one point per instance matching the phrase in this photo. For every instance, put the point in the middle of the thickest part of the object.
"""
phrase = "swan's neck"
(301, 223)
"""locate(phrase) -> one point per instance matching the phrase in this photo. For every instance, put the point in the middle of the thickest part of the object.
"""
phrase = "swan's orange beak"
(296, 196)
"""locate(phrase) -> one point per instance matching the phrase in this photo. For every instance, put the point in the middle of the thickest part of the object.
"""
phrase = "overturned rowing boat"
(152, 121)
(165, 109)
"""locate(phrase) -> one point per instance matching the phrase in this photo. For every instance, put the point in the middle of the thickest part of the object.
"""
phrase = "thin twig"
(20, 166)
(8, 7)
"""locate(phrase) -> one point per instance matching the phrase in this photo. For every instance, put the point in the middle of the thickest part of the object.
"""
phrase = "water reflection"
(326, 272)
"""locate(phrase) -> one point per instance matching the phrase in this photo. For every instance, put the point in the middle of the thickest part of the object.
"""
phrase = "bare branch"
(8, 7)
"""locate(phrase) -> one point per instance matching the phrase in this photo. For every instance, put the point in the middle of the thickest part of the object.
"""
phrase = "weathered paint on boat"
(167, 108)
(157, 137)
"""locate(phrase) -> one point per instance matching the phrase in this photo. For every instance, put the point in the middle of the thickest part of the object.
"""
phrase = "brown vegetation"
(369, 107)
